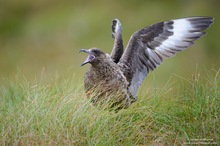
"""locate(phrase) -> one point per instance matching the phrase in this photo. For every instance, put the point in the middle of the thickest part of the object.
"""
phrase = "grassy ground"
(57, 113)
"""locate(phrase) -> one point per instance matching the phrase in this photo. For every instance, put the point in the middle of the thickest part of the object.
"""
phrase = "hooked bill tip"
(84, 50)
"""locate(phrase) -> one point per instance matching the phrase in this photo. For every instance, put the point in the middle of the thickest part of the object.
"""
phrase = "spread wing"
(118, 47)
(149, 46)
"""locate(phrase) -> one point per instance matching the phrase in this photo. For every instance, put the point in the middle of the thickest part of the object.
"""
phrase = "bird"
(113, 79)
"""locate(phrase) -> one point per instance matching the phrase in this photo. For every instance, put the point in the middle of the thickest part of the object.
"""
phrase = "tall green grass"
(58, 113)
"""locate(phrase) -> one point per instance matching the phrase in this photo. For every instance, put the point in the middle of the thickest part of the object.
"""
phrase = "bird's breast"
(106, 76)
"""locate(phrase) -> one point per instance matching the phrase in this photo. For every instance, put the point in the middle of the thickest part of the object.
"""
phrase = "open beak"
(89, 58)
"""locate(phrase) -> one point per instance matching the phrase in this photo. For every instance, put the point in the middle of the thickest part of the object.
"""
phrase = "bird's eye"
(97, 52)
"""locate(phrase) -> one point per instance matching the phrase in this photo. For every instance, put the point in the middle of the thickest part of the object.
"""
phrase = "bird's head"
(94, 56)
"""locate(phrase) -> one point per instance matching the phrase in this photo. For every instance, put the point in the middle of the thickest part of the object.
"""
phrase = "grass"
(57, 113)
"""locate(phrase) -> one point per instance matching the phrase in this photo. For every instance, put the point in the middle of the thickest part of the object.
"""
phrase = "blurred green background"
(42, 38)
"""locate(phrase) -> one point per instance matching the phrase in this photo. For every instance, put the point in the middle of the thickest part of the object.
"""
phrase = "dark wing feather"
(118, 47)
(149, 46)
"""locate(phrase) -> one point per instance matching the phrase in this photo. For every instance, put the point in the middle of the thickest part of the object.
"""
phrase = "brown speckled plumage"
(104, 79)
(116, 78)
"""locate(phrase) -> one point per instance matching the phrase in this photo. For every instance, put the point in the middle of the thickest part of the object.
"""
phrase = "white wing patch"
(183, 35)
(117, 26)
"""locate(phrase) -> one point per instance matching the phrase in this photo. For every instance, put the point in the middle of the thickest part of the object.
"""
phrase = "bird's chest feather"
(105, 77)
(107, 85)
